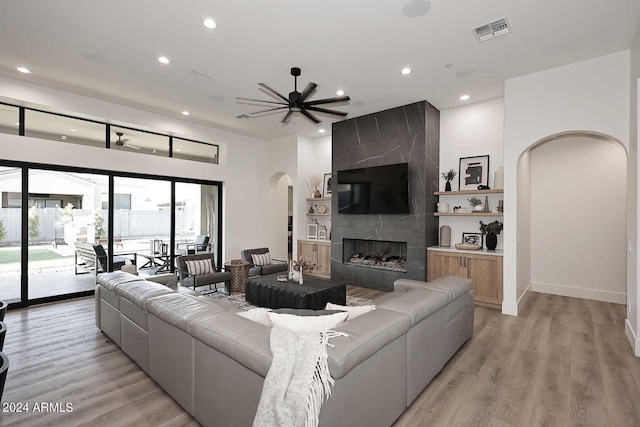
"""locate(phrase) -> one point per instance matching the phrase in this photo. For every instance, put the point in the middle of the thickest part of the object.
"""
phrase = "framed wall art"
(474, 171)
(472, 238)
(327, 184)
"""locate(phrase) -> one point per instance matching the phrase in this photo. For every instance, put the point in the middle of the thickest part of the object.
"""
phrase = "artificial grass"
(40, 254)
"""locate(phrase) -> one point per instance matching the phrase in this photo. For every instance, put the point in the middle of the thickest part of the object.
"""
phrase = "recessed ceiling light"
(24, 70)
(185, 113)
(63, 137)
(178, 150)
(18, 124)
(73, 130)
(210, 23)
(163, 60)
(321, 130)
(464, 97)
(405, 71)
(340, 92)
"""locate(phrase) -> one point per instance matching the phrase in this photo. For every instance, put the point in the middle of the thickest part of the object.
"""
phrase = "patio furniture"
(93, 257)
(210, 274)
(260, 270)
(201, 245)
(4, 368)
(3, 332)
(3, 310)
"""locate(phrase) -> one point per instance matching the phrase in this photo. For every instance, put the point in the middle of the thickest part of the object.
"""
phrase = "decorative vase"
(447, 186)
(311, 210)
(317, 194)
(492, 241)
(498, 179)
(296, 276)
(478, 208)
(443, 207)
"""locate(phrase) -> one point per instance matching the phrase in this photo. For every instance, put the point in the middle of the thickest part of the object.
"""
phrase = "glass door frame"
(24, 247)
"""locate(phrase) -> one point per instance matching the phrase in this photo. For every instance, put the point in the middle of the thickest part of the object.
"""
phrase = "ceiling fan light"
(295, 109)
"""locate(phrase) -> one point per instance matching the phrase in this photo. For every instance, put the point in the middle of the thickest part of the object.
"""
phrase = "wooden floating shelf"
(315, 214)
(479, 214)
(466, 192)
(319, 199)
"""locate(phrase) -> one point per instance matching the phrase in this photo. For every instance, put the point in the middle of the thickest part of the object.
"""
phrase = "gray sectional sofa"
(213, 362)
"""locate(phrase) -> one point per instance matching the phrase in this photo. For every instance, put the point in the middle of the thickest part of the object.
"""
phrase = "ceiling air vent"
(497, 28)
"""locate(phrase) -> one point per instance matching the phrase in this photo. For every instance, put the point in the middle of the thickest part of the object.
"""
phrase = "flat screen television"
(374, 190)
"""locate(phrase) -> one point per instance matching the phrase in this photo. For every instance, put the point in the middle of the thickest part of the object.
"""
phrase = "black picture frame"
(473, 238)
(473, 171)
(327, 184)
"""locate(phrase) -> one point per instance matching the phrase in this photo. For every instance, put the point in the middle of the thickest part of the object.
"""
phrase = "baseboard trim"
(524, 297)
(633, 339)
(512, 308)
(576, 292)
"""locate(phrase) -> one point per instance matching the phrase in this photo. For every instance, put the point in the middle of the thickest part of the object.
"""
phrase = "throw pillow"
(257, 315)
(261, 259)
(353, 311)
(306, 323)
(200, 266)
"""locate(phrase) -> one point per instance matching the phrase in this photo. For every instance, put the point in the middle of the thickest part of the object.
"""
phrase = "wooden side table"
(239, 275)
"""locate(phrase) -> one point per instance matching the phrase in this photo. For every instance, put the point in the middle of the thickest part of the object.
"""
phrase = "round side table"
(239, 275)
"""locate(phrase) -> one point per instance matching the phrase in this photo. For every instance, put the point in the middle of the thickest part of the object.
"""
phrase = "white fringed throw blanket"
(298, 381)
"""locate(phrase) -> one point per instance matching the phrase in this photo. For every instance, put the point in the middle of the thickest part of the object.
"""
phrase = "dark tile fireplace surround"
(408, 134)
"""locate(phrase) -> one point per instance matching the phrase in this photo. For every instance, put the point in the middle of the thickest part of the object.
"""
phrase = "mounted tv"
(374, 190)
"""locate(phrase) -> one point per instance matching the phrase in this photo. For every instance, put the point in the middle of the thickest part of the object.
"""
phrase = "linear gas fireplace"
(378, 254)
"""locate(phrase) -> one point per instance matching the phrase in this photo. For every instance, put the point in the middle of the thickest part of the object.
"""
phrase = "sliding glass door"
(48, 213)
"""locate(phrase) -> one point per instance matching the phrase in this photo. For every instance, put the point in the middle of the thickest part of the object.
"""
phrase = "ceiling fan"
(297, 101)
(124, 142)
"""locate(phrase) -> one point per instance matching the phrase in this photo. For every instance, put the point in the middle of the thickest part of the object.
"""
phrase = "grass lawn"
(40, 254)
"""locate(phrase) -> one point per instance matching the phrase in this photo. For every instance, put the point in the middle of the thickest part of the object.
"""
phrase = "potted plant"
(448, 176)
(476, 204)
(491, 230)
(304, 264)
(315, 179)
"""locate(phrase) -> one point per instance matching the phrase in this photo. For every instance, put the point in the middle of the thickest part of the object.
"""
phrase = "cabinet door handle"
(460, 260)
(465, 262)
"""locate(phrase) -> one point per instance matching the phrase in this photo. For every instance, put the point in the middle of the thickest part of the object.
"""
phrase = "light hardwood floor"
(564, 361)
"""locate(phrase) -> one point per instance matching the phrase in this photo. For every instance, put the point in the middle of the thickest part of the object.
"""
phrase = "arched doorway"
(571, 202)
(280, 207)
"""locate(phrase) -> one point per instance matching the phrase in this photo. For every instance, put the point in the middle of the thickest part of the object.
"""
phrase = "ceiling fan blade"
(260, 100)
(286, 118)
(274, 92)
(310, 116)
(266, 111)
(307, 90)
(324, 110)
(328, 100)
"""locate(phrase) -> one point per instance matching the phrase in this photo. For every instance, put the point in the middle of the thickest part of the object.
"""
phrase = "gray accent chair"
(257, 270)
(191, 280)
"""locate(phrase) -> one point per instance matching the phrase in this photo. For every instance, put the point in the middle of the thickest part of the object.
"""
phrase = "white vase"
(498, 179)
(296, 276)
(478, 208)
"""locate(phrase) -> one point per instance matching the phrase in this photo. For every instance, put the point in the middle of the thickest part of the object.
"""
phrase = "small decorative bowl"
(468, 246)
(282, 278)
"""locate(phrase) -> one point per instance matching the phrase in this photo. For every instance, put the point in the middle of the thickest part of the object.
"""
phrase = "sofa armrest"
(170, 280)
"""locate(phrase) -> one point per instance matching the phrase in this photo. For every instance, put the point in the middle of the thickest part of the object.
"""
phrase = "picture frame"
(322, 232)
(327, 185)
(312, 231)
(473, 171)
(473, 238)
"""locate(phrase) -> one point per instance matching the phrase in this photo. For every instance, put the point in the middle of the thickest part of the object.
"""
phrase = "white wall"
(472, 130)
(578, 219)
(524, 228)
(591, 95)
(242, 157)
(632, 325)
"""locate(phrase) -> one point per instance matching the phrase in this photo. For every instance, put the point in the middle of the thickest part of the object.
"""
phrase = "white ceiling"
(357, 45)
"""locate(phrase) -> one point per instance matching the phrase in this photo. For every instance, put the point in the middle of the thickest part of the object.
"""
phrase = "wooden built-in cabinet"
(320, 254)
(484, 270)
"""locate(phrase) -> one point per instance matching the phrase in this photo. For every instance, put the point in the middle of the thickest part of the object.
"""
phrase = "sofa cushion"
(418, 304)
(258, 314)
(179, 310)
(454, 287)
(243, 340)
(275, 267)
(366, 336)
(140, 291)
(111, 280)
